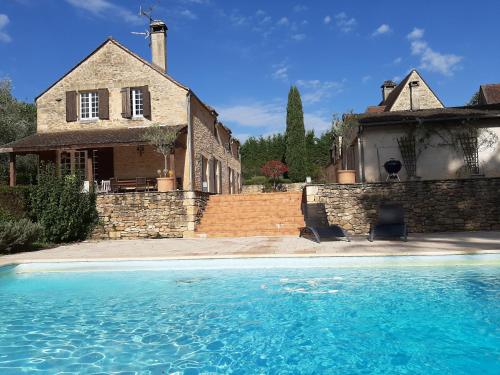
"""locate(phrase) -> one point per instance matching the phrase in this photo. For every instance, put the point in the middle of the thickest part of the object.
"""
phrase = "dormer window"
(137, 102)
(89, 105)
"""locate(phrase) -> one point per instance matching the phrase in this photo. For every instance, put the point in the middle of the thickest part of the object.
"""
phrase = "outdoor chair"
(105, 186)
(141, 184)
(390, 223)
(113, 186)
(328, 233)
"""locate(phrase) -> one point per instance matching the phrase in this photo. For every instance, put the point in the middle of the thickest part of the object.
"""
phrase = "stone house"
(92, 120)
(433, 142)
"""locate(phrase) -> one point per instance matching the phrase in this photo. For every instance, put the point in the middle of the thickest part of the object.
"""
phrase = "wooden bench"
(132, 184)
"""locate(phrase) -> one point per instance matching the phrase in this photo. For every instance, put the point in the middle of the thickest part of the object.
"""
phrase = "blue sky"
(242, 56)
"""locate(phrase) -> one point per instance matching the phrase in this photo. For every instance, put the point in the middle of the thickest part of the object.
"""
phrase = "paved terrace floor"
(421, 244)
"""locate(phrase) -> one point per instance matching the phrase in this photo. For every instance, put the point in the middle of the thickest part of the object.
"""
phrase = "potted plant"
(163, 139)
(344, 132)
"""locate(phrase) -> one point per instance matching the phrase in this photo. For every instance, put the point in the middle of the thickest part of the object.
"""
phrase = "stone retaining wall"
(430, 206)
(149, 215)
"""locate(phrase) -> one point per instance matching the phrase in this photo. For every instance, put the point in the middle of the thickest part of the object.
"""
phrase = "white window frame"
(137, 98)
(75, 167)
(91, 112)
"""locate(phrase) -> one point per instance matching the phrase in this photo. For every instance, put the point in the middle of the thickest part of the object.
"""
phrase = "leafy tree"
(273, 169)
(59, 205)
(318, 153)
(474, 100)
(295, 137)
(163, 139)
(257, 151)
(17, 120)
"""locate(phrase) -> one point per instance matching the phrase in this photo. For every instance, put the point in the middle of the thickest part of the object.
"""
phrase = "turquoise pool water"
(354, 317)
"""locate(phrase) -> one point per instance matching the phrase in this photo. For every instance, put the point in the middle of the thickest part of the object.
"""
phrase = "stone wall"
(149, 215)
(424, 98)
(113, 68)
(206, 144)
(430, 206)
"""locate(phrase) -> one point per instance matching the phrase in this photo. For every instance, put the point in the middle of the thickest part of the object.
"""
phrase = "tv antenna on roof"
(144, 13)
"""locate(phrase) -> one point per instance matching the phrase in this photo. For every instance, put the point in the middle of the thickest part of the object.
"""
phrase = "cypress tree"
(295, 137)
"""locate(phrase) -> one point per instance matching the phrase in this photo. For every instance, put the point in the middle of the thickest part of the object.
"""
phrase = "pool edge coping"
(17, 262)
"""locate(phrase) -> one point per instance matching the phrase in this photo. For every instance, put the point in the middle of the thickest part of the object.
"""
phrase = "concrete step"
(234, 220)
(248, 227)
(272, 214)
(294, 203)
(240, 233)
(212, 212)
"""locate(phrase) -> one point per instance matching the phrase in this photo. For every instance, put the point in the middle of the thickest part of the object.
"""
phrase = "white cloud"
(254, 115)
(188, 14)
(298, 37)
(4, 21)
(197, 1)
(416, 34)
(431, 60)
(283, 21)
(434, 61)
(382, 29)
(418, 47)
(104, 8)
(280, 72)
(299, 8)
(345, 23)
(397, 60)
(317, 121)
(366, 78)
(316, 90)
(327, 20)
(268, 118)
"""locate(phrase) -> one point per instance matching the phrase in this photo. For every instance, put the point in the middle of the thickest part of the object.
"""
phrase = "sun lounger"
(329, 233)
(390, 223)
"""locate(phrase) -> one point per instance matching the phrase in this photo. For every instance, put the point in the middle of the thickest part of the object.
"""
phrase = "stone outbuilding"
(432, 142)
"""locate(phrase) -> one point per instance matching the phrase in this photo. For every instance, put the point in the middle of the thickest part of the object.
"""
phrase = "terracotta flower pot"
(165, 184)
(347, 176)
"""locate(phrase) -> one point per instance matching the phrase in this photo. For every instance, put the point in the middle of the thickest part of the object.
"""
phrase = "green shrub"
(18, 234)
(256, 180)
(14, 202)
(58, 204)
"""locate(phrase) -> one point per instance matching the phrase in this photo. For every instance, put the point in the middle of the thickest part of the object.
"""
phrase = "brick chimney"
(158, 31)
(387, 88)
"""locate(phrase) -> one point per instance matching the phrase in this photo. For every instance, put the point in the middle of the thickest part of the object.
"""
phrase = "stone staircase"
(249, 215)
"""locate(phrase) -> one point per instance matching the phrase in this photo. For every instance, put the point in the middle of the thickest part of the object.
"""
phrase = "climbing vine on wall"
(467, 140)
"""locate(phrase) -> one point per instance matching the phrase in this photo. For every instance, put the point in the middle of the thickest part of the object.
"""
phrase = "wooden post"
(90, 169)
(12, 169)
(172, 168)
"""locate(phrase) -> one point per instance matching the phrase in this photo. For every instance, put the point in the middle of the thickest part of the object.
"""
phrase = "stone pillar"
(12, 169)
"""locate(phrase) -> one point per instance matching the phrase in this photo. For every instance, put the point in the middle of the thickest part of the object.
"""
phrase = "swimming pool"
(398, 315)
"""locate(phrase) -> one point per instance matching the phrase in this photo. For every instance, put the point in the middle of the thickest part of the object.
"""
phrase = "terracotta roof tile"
(375, 109)
(451, 113)
(491, 93)
(79, 138)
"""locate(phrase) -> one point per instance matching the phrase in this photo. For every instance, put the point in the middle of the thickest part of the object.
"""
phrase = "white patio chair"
(105, 186)
(86, 186)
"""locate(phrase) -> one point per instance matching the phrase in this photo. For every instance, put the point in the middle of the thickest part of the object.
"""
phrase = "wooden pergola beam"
(12, 169)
